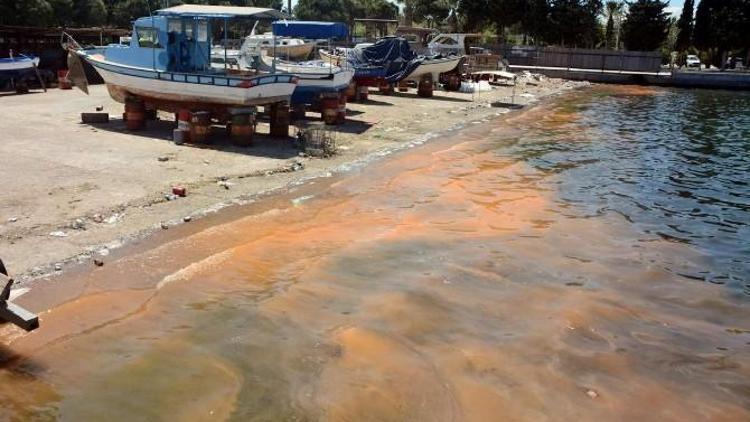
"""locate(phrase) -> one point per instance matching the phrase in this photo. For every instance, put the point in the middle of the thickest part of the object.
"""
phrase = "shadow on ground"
(219, 140)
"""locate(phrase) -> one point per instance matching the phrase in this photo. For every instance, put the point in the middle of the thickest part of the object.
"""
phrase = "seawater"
(587, 259)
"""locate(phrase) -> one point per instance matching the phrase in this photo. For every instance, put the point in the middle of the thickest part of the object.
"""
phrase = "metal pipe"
(225, 46)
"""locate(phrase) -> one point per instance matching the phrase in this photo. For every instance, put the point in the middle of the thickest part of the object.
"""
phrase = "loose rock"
(187, 218)
(98, 262)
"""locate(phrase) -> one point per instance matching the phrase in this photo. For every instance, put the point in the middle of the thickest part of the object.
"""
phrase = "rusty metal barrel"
(424, 89)
(329, 105)
(135, 113)
(385, 88)
(403, 86)
(341, 115)
(242, 126)
(62, 79)
(452, 82)
(351, 91)
(182, 133)
(200, 127)
(362, 92)
(299, 112)
(279, 116)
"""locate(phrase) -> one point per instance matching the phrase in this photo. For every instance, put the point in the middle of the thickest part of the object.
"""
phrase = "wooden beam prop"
(10, 312)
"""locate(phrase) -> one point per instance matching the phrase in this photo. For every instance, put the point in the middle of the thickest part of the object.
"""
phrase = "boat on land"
(454, 43)
(313, 77)
(390, 59)
(168, 62)
(434, 66)
(13, 65)
(284, 47)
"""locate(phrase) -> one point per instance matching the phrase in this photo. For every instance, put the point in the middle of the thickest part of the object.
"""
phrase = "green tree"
(28, 12)
(721, 26)
(535, 19)
(646, 25)
(685, 26)
(88, 13)
(327, 10)
(345, 10)
(612, 32)
(474, 14)
(574, 22)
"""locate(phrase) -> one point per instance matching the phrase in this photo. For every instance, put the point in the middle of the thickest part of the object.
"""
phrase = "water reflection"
(673, 163)
(543, 271)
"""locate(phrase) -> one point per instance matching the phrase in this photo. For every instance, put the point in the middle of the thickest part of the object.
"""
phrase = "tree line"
(714, 27)
(89, 13)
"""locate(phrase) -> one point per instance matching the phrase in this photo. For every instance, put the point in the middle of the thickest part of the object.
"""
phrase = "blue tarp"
(310, 29)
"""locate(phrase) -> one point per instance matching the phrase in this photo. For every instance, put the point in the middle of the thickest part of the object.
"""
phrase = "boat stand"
(10, 312)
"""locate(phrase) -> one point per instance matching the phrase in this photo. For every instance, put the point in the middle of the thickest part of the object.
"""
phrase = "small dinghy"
(11, 66)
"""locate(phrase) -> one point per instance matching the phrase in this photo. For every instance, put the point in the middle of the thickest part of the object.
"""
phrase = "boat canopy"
(310, 29)
(221, 12)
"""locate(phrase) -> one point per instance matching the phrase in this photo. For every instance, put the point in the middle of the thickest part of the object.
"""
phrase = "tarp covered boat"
(391, 59)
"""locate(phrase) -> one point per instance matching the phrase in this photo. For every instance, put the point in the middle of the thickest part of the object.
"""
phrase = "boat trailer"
(10, 312)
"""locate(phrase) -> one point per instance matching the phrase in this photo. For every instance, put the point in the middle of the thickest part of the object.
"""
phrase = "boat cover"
(391, 54)
(310, 29)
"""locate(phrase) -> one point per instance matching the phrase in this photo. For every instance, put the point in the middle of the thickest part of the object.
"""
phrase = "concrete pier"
(678, 78)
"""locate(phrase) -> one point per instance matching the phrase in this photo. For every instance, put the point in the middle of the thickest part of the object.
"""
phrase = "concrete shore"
(75, 192)
(679, 78)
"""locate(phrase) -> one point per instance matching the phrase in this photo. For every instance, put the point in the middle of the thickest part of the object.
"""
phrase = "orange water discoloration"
(444, 284)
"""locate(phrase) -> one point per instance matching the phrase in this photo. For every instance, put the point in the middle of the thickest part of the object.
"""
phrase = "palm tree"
(614, 11)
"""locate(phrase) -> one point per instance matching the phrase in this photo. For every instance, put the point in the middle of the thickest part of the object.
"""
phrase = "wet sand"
(103, 186)
(447, 282)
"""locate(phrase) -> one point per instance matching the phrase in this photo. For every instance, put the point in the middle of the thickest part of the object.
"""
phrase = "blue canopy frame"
(310, 29)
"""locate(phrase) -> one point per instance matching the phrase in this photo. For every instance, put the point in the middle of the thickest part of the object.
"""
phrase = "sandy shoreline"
(83, 204)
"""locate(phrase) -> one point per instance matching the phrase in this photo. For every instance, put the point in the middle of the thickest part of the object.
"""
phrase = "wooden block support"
(89, 118)
(11, 312)
(18, 316)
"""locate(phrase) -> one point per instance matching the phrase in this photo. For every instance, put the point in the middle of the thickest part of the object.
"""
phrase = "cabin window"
(447, 41)
(148, 38)
(175, 26)
(202, 31)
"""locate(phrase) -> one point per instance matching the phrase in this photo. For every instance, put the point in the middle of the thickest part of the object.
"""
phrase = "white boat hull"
(18, 64)
(293, 52)
(434, 67)
(188, 88)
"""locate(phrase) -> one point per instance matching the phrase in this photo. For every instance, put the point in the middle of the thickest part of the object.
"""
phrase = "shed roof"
(223, 12)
